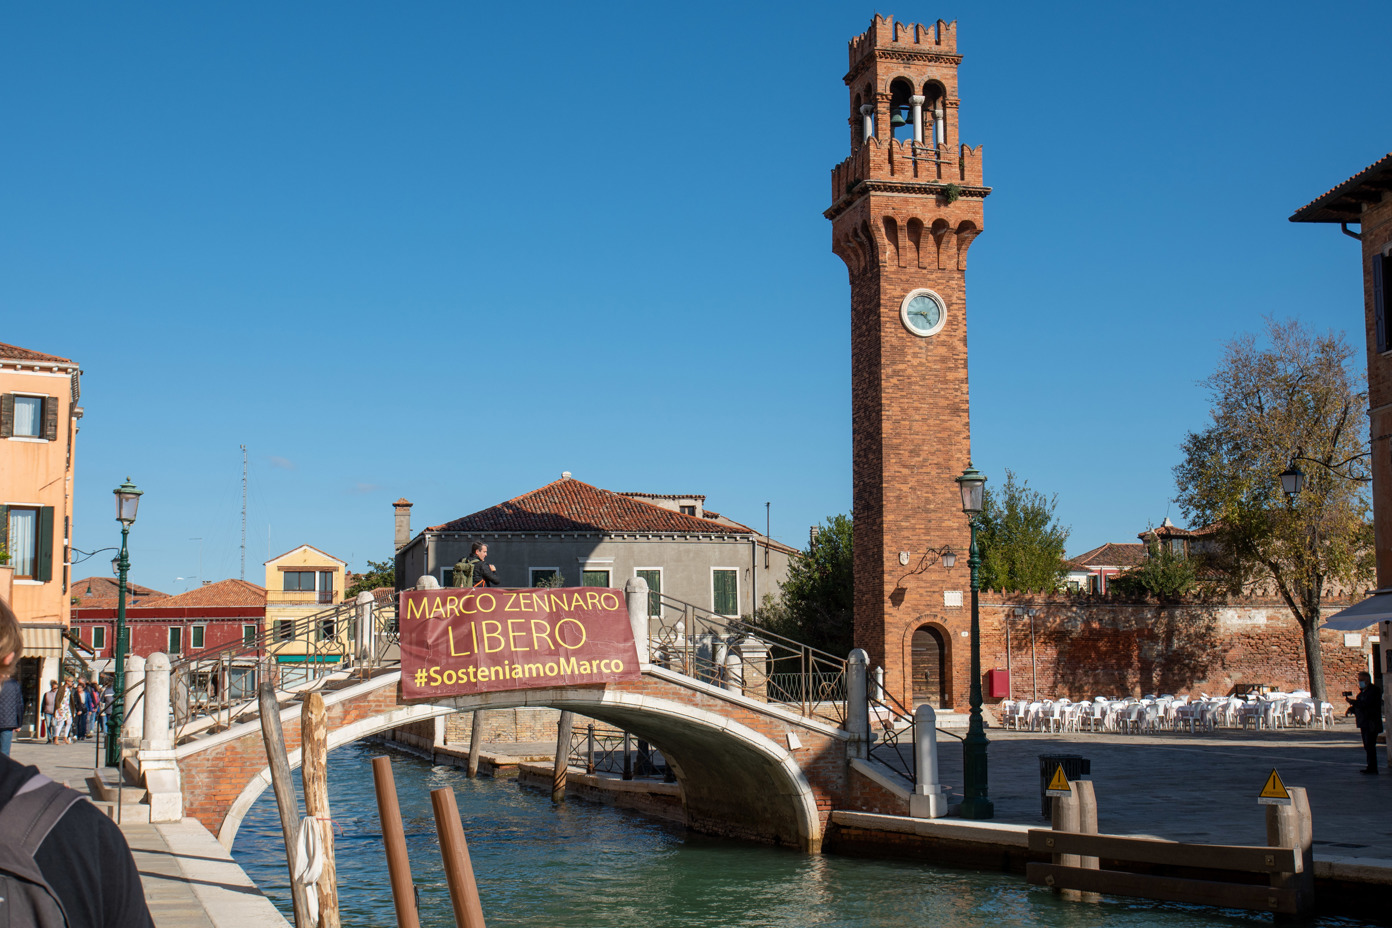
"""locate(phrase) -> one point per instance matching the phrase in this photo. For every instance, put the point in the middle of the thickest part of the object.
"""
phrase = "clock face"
(923, 312)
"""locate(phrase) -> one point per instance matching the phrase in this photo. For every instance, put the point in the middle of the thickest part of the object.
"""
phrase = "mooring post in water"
(1067, 816)
(314, 770)
(459, 870)
(286, 802)
(628, 756)
(475, 742)
(589, 748)
(394, 838)
(558, 771)
(1292, 826)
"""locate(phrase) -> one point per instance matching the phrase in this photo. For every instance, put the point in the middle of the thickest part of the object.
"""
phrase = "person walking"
(79, 707)
(1367, 712)
(62, 714)
(50, 706)
(11, 712)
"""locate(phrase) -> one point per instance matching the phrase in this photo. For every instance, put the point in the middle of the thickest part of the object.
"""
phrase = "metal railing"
(214, 688)
(892, 728)
(731, 653)
(612, 750)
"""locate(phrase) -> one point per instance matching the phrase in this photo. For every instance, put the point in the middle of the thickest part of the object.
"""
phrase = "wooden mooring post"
(559, 769)
(394, 838)
(459, 869)
(1076, 857)
(475, 742)
(314, 771)
(286, 803)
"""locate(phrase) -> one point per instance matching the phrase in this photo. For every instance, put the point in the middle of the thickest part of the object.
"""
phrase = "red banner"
(456, 642)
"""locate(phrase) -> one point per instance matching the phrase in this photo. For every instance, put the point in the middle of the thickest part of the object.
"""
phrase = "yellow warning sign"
(1058, 785)
(1274, 792)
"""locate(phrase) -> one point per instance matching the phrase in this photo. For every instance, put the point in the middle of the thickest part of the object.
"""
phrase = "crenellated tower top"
(884, 33)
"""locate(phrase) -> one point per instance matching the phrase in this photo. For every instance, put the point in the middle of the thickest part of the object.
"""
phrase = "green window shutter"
(726, 592)
(44, 568)
(50, 406)
(5, 528)
(654, 579)
(7, 415)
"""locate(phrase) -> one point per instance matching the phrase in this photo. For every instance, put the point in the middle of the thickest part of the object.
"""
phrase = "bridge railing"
(599, 749)
(215, 687)
(727, 652)
(895, 724)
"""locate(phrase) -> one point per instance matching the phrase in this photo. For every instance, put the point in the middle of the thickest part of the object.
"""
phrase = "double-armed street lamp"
(975, 803)
(127, 502)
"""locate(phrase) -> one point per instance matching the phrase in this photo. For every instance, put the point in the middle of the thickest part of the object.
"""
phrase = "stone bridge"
(747, 768)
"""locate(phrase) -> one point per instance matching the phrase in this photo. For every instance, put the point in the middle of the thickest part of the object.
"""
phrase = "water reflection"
(594, 866)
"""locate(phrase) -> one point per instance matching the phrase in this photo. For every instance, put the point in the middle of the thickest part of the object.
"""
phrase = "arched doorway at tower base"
(930, 661)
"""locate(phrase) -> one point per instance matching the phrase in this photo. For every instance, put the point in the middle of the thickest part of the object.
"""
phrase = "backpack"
(25, 821)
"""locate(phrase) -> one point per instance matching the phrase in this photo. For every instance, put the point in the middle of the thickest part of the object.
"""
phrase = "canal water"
(593, 866)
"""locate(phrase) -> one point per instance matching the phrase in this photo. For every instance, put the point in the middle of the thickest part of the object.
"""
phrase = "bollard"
(734, 670)
(156, 722)
(365, 632)
(858, 703)
(878, 691)
(929, 799)
(133, 722)
(636, 593)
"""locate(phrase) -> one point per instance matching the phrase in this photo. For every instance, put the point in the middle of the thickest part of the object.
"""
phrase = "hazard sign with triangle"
(1274, 792)
(1058, 786)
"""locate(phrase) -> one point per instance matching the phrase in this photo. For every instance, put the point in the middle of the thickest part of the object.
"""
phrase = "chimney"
(403, 522)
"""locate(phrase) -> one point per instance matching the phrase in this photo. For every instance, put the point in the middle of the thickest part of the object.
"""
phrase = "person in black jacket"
(11, 712)
(483, 570)
(1367, 712)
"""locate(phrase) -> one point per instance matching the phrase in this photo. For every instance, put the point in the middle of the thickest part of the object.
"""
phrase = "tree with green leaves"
(815, 605)
(1165, 574)
(379, 573)
(1297, 397)
(1021, 542)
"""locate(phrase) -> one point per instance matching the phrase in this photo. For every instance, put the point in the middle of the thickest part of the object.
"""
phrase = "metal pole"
(394, 838)
(118, 701)
(975, 803)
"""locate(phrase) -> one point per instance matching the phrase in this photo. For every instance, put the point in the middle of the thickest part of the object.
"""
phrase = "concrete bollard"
(929, 799)
(734, 670)
(157, 704)
(133, 723)
(427, 582)
(636, 593)
(365, 632)
(753, 671)
(858, 702)
(878, 691)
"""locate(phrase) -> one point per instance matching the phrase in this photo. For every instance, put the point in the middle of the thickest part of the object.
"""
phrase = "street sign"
(1058, 785)
(1274, 792)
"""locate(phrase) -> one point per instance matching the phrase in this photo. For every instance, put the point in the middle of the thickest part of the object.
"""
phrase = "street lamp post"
(127, 502)
(975, 803)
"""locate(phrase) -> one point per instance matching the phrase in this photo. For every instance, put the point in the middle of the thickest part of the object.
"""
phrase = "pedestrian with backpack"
(62, 862)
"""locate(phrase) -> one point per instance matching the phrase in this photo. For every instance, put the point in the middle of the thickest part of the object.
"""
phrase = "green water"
(586, 865)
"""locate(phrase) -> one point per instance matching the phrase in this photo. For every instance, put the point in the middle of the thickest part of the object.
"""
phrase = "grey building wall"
(687, 562)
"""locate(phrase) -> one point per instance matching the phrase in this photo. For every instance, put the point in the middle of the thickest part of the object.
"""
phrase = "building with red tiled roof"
(590, 536)
(103, 591)
(1092, 570)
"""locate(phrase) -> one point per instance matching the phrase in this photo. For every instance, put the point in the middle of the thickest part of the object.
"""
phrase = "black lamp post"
(975, 803)
(127, 502)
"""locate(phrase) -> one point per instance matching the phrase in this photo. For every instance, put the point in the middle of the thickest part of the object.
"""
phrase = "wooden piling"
(1066, 814)
(286, 803)
(475, 742)
(1292, 826)
(314, 745)
(459, 870)
(394, 838)
(558, 771)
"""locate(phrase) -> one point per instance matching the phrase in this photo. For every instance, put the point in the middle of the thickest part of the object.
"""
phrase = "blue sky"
(447, 251)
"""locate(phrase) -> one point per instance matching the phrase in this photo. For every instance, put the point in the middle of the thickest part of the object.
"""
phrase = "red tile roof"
(1344, 202)
(569, 505)
(223, 593)
(1111, 555)
(15, 353)
(105, 592)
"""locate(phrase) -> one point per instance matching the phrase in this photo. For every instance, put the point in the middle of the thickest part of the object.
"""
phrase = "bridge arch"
(736, 780)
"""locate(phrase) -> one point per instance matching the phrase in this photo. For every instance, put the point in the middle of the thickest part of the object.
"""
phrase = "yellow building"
(38, 428)
(300, 583)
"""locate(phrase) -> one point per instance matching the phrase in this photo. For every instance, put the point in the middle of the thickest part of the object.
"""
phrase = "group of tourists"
(75, 710)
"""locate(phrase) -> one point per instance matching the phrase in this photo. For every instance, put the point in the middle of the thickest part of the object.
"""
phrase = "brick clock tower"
(906, 205)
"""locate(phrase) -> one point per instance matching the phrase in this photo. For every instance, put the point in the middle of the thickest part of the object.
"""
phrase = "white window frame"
(197, 632)
(44, 399)
(174, 631)
(98, 632)
(533, 571)
(736, 571)
(662, 582)
(248, 639)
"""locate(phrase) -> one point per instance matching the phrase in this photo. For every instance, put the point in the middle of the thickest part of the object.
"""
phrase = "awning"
(1374, 609)
(43, 640)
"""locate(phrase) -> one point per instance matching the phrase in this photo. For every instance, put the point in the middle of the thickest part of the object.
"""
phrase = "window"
(176, 639)
(248, 635)
(325, 629)
(29, 538)
(1382, 268)
(594, 578)
(687, 510)
(284, 629)
(24, 416)
(98, 637)
(725, 591)
(197, 635)
(298, 581)
(326, 590)
(546, 576)
(654, 577)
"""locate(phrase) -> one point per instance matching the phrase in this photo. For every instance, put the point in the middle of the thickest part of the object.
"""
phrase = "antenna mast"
(244, 472)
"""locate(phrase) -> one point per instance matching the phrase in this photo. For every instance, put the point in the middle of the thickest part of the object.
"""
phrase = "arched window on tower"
(900, 112)
(934, 115)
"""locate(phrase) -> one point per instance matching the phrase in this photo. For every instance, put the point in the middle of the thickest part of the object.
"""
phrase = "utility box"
(997, 683)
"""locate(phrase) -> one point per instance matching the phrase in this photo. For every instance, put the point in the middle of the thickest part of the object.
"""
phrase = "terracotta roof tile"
(569, 505)
(223, 593)
(1111, 555)
(1342, 202)
(16, 353)
(105, 592)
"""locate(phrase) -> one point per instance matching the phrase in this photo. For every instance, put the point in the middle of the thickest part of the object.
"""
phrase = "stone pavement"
(1199, 788)
(190, 880)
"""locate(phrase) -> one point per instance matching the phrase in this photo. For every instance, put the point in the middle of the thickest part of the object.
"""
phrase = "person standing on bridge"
(483, 571)
(75, 861)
